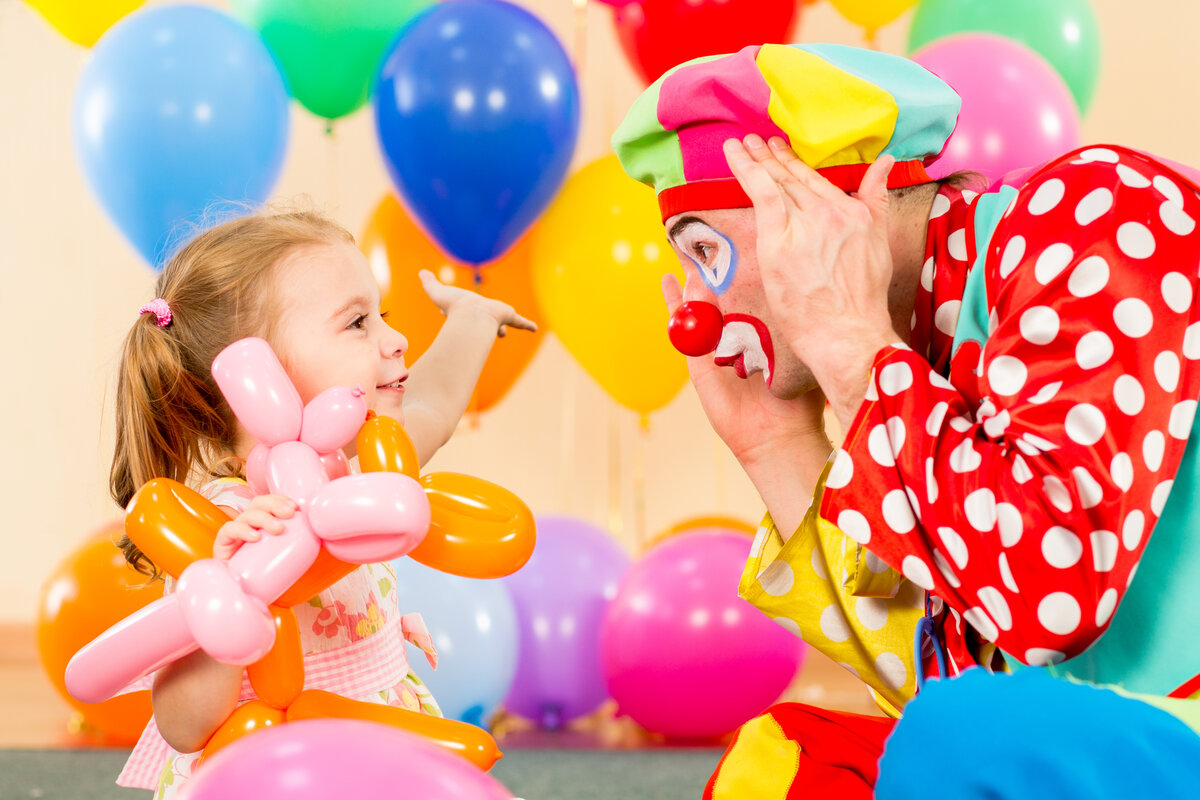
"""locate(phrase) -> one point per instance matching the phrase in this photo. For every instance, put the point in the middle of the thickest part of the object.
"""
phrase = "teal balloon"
(329, 50)
(474, 628)
(1064, 32)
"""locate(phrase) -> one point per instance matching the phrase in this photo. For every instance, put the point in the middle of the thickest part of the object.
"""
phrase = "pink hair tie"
(159, 308)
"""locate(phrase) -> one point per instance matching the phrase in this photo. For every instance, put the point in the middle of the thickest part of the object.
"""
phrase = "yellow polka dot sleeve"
(839, 599)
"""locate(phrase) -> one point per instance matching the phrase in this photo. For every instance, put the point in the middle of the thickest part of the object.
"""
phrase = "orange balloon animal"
(478, 530)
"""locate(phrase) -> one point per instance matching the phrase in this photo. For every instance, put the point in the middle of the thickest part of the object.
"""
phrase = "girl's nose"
(695, 328)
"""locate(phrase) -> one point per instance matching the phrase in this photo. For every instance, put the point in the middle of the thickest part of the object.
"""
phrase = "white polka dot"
(1129, 395)
(1056, 492)
(955, 546)
(1094, 205)
(1011, 524)
(1046, 393)
(1104, 550)
(1106, 607)
(980, 508)
(993, 322)
(969, 195)
(960, 424)
(1191, 341)
(880, 448)
(1168, 189)
(1129, 578)
(1131, 177)
(945, 319)
(1040, 656)
(841, 472)
(1059, 613)
(1132, 530)
(1047, 197)
(897, 513)
(997, 607)
(1099, 154)
(1053, 260)
(956, 244)
(1177, 292)
(964, 458)
(834, 625)
(1006, 375)
(1158, 499)
(848, 668)
(1061, 548)
(1182, 416)
(1006, 575)
(874, 563)
(1090, 491)
(1088, 277)
(997, 425)
(1122, 471)
(979, 620)
(933, 425)
(1135, 240)
(1085, 424)
(927, 275)
(914, 502)
(872, 612)
(1166, 370)
(1021, 471)
(917, 571)
(818, 564)
(1175, 219)
(895, 378)
(777, 579)
(947, 571)
(939, 382)
(872, 394)
(1094, 349)
(1153, 447)
(1040, 444)
(941, 204)
(1014, 251)
(931, 484)
(855, 525)
(891, 669)
(1133, 317)
(1039, 325)
(790, 625)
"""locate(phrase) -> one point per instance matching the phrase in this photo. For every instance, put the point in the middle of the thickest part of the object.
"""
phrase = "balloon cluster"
(239, 611)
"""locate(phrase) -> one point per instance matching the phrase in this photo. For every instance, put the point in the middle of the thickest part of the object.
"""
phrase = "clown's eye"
(711, 252)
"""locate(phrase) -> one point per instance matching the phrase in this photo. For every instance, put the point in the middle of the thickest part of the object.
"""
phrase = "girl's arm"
(439, 386)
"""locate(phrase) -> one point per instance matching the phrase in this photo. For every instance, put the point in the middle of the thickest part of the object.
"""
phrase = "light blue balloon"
(474, 628)
(180, 108)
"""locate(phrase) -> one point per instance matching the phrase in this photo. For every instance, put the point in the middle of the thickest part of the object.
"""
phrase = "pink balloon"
(683, 655)
(332, 418)
(256, 468)
(295, 470)
(259, 391)
(372, 517)
(1016, 110)
(226, 622)
(335, 465)
(319, 759)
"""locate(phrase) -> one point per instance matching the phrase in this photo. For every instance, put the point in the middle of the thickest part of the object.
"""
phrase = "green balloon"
(1064, 32)
(329, 50)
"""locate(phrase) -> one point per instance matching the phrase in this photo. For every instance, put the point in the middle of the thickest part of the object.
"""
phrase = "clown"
(1015, 372)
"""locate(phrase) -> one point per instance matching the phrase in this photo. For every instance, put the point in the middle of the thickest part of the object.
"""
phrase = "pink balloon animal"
(221, 606)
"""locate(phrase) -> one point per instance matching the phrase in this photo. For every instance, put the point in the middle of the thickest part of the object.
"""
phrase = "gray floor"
(659, 774)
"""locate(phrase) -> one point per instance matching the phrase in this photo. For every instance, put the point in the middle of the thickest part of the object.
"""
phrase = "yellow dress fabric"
(841, 600)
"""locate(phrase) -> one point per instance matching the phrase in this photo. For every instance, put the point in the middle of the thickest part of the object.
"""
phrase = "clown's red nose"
(695, 328)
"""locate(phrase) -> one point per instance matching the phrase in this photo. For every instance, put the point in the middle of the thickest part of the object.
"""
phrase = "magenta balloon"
(683, 655)
(1016, 110)
(320, 759)
(560, 596)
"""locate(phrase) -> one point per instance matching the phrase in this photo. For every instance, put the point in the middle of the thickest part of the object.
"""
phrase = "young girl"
(298, 280)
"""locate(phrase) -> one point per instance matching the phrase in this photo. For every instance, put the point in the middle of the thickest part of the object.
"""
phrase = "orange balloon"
(172, 524)
(384, 446)
(278, 677)
(469, 741)
(251, 716)
(478, 529)
(92, 589)
(398, 249)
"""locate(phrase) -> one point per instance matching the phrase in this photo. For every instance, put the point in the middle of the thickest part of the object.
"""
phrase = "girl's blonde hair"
(172, 421)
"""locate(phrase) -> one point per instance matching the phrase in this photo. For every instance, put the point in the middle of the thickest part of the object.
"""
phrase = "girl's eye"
(358, 322)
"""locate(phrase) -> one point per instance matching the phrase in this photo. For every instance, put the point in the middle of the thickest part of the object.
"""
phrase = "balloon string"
(639, 481)
(332, 162)
(616, 524)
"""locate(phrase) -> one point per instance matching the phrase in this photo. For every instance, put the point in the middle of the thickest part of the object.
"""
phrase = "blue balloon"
(180, 107)
(477, 111)
(474, 628)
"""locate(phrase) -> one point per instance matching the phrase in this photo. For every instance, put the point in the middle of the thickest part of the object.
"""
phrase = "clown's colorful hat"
(839, 107)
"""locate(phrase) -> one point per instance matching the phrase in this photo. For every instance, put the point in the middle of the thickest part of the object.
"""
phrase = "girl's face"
(329, 331)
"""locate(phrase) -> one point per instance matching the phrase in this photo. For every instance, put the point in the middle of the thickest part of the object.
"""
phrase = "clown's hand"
(453, 300)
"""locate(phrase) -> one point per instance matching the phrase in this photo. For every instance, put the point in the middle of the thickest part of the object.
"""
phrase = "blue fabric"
(1030, 736)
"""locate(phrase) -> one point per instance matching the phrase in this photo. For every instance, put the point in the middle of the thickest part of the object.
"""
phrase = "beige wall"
(70, 287)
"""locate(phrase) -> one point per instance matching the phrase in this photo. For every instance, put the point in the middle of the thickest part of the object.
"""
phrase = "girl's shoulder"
(228, 492)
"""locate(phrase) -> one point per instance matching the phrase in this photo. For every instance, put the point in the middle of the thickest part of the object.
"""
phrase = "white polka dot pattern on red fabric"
(1023, 475)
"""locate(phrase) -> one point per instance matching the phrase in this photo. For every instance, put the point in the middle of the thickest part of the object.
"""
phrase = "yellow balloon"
(599, 255)
(872, 14)
(84, 22)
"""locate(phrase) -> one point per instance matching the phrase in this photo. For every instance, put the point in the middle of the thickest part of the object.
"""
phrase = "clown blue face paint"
(711, 251)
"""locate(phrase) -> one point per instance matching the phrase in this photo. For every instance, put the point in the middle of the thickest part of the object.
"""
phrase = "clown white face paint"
(711, 251)
(746, 346)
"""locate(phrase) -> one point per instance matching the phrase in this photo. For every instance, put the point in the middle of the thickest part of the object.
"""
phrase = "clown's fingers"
(772, 205)
(812, 181)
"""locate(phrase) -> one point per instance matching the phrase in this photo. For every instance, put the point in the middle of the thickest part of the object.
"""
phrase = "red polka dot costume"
(1017, 475)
